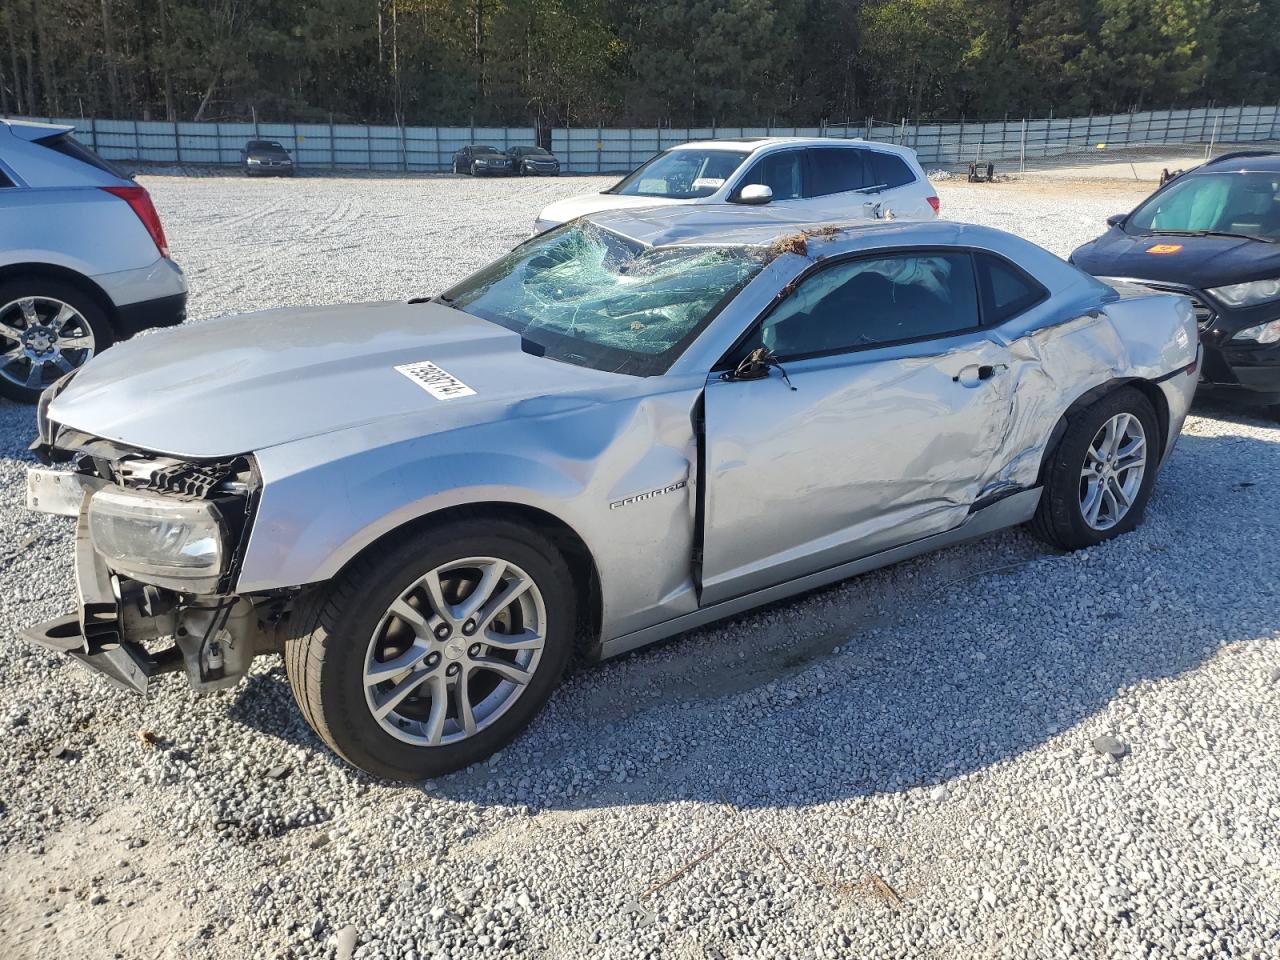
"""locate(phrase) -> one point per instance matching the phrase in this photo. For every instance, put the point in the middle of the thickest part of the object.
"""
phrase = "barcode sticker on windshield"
(438, 383)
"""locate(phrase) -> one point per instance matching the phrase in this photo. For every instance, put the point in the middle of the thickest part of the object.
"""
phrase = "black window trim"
(731, 358)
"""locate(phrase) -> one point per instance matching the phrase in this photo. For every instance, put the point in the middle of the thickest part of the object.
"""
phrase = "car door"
(884, 430)
(783, 172)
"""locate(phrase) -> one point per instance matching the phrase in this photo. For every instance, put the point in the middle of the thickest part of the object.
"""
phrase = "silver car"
(623, 429)
(83, 260)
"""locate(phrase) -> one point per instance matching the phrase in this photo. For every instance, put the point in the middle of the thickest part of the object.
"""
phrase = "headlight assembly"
(179, 544)
(1248, 294)
(1268, 332)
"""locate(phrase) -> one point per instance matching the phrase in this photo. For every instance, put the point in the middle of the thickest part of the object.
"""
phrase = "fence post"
(1022, 148)
(93, 132)
(1274, 113)
(333, 147)
(137, 143)
(404, 149)
(599, 148)
(1213, 137)
(439, 163)
(177, 142)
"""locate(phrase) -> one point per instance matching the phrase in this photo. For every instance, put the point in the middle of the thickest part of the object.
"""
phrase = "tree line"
(587, 62)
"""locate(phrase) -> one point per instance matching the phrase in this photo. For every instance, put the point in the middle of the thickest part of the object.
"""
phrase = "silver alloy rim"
(455, 651)
(1114, 466)
(41, 338)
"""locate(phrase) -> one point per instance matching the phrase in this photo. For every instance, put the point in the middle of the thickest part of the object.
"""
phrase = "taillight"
(140, 203)
(935, 203)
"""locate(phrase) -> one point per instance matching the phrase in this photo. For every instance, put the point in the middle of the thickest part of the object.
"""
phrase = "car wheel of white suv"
(47, 329)
(436, 654)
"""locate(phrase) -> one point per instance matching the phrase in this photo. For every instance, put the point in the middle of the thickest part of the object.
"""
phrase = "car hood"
(1198, 261)
(562, 211)
(240, 384)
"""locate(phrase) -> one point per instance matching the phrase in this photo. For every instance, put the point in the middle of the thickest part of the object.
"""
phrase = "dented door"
(871, 449)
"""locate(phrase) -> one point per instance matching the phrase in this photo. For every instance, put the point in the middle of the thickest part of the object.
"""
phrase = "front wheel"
(47, 328)
(1099, 477)
(436, 654)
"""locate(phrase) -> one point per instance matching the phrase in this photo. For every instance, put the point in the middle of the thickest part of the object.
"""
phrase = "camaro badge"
(1164, 248)
(627, 501)
(437, 382)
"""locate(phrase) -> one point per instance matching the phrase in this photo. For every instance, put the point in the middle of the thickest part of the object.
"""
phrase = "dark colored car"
(534, 162)
(481, 161)
(266, 158)
(1212, 233)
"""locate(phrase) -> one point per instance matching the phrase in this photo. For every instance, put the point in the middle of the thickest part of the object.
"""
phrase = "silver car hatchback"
(83, 260)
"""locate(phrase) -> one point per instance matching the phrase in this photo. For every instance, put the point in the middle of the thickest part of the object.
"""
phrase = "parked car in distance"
(83, 258)
(1212, 233)
(482, 161)
(591, 440)
(810, 178)
(534, 162)
(266, 158)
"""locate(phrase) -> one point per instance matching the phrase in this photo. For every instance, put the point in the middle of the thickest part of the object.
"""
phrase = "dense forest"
(619, 63)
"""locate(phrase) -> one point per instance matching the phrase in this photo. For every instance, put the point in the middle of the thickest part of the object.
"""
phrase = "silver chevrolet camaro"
(627, 427)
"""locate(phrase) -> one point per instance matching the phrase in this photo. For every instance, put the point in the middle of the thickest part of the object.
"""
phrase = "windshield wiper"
(1207, 233)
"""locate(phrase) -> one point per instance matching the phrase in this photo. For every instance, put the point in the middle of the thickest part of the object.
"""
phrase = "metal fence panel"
(618, 150)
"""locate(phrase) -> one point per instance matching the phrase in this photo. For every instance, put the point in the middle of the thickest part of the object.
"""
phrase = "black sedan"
(534, 162)
(266, 158)
(482, 161)
(1211, 233)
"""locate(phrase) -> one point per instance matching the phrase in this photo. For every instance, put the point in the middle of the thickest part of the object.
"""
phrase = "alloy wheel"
(41, 338)
(1111, 477)
(455, 651)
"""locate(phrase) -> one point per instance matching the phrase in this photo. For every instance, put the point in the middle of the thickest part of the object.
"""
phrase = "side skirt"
(1007, 512)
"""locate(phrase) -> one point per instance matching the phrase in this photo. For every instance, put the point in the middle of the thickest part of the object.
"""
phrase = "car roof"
(760, 144)
(34, 130)
(732, 225)
(1242, 161)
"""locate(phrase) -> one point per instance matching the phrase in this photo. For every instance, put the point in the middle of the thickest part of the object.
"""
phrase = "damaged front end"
(157, 547)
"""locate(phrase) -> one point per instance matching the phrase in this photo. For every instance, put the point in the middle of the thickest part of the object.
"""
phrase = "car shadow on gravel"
(902, 678)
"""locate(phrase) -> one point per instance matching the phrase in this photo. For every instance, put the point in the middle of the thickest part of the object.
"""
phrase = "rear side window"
(835, 170)
(4, 180)
(1006, 290)
(873, 302)
(780, 172)
(890, 170)
(69, 146)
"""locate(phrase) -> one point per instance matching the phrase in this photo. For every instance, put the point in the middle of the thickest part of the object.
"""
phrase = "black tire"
(76, 297)
(325, 656)
(475, 171)
(1059, 519)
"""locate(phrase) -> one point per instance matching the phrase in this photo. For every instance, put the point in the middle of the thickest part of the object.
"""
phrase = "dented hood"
(562, 211)
(244, 383)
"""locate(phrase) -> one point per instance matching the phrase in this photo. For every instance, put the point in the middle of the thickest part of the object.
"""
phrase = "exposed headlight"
(482, 163)
(180, 544)
(1248, 294)
(1268, 332)
(252, 160)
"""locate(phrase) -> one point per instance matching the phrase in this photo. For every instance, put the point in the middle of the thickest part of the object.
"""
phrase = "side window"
(1006, 290)
(865, 303)
(780, 172)
(835, 170)
(4, 180)
(890, 170)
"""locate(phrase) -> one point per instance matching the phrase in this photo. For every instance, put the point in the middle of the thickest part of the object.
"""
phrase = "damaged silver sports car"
(627, 427)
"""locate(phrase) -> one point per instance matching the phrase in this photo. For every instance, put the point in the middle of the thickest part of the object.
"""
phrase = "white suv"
(817, 177)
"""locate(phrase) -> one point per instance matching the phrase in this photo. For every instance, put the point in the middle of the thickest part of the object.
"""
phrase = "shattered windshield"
(681, 174)
(1240, 204)
(591, 297)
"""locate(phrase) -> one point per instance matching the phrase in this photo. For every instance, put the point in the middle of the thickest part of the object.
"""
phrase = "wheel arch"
(567, 541)
(21, 271)
(1147, 388)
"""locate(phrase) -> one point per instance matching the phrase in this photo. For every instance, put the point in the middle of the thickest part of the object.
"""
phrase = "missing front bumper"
(127, 666)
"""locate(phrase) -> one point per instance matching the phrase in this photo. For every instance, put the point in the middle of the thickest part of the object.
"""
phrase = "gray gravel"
(994, 751)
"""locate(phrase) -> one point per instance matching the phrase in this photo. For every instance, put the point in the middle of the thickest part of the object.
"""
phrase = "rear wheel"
(47, 328)
(1099, 477)
(437, 654)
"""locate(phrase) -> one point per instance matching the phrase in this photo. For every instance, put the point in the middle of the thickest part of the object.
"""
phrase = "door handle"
(974, 374)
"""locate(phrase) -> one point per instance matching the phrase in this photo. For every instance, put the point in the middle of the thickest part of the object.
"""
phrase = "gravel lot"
(910, 764)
